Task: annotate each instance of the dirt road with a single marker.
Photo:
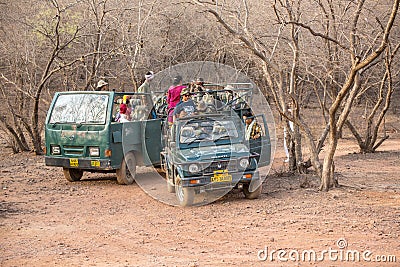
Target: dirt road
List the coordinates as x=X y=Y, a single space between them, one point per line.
x=47 y=221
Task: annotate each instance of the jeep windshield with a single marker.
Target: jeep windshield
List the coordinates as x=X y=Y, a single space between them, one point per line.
x=194 y=131
x=80 y=109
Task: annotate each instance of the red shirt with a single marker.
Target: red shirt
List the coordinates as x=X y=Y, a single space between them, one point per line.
x=173 y=98
x=174 y=95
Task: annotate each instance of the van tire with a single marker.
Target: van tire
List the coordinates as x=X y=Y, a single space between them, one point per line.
x=126 y=175
x=251 y=195
x=72 y=175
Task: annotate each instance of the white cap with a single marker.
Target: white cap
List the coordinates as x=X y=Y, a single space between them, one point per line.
x=149 y=75
x=101 y=83
x=229 y=87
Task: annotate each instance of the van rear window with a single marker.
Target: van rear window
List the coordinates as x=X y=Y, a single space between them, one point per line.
x=80 y=108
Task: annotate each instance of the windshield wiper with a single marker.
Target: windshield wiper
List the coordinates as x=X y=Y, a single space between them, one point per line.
x=54 y=123
x=222 y=137
x=88 y=121
x=94 y=121
x=191 y=142
x=57 y=122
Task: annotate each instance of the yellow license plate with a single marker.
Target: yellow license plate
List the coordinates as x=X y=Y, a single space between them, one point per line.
x=73 y=162
x=95 y=163
x=221 y=176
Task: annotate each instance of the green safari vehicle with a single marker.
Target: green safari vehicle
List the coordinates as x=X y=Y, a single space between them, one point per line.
x=82 y=134
x=208 y=153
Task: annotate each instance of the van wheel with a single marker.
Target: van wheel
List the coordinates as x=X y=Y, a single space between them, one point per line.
x=185 y=195
x=72 y=175
x=251 y=195
x=126 y=174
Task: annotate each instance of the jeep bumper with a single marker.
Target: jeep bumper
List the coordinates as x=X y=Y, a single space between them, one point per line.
x=205 y=181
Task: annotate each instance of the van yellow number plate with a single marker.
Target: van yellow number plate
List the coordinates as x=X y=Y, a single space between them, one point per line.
x=95 y=163
x=73 y=162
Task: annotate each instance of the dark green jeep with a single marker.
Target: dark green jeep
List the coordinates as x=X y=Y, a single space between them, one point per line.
x=82 y=134
x=209 y=153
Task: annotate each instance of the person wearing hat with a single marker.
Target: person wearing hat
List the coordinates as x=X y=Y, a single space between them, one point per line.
x=186 y=107
x=174 y=96
x=145 y=87
x=102 y=85
x=198 y=85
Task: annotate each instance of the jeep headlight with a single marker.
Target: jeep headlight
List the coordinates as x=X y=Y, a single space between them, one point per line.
x=244 y=163
x=94 y=151
x=193 y=168
x=55 y=150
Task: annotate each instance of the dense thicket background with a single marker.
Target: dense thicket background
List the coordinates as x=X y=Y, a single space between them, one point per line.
x=303 y=54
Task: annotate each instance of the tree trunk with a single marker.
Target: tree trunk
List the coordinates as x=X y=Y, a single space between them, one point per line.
x=327 y=179
x=298 y=145
x=37 y=139
x=20 y=146
x=292 y=151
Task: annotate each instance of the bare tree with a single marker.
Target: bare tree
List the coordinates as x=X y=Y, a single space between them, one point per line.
x=292 y=47
x=381 y=100
x=27 y=113
x=283 y=87
x=349 y=91
x=342 y=96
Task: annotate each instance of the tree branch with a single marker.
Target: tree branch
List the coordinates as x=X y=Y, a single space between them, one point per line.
x=318 y=34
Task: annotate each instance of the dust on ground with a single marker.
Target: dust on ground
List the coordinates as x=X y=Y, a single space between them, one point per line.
x=48 y=221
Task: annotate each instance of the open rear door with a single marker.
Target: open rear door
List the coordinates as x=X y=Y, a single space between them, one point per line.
x=151 y=142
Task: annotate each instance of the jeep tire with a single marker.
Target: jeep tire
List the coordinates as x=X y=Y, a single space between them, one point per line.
x=185 y=195
x=251 y=195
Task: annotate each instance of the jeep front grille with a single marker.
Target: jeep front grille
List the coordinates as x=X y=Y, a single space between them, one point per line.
x=229 y=165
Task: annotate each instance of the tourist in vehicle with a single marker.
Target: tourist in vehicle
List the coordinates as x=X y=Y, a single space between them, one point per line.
x=228 y=95
x=123 y=117
x=102 y=85
x=198 y=85
x=126 y=100
x=253 y=129
x=173 y=96
x=186 y=107
x=253 y=134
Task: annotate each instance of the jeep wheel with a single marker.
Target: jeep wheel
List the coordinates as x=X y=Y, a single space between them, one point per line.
x=184 y=195
x=72 y=175
x=126 y=174
x=251 y=195
x=170 y=185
